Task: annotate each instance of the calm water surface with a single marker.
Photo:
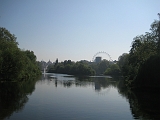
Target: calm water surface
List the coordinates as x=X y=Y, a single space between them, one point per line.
x=69 y=98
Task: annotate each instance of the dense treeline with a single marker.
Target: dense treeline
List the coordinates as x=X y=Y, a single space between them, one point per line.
x=104 y=67
x=113 y=70
x=15 y=64
x=141 y=67
x=72 y=68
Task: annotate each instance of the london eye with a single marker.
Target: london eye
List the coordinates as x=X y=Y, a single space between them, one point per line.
x=102 y=52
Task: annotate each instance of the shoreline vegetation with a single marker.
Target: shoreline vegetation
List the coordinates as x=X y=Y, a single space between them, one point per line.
x=16 y=65
x=71 y=68
x=82 y=68
x=141 y=67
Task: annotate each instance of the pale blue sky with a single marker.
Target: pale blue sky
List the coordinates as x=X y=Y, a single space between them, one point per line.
x=77 y=29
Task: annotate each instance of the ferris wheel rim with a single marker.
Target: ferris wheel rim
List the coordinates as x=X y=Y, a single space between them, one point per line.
x=100 y=53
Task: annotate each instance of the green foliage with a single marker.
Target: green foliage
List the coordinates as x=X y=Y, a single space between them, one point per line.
x=142 y=48
x=6 y=36
x=83 y=68
x=15 y=64
x=138 y=66
x=69 y=67
x=30 y=55
x=113 y=70
x=101 y=67
x=149 y=73
x=123 y=63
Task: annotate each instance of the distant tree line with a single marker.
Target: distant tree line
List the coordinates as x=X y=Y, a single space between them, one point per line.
x=72 y=68
x=15 y=64
x=141 y=67
x=105 y=67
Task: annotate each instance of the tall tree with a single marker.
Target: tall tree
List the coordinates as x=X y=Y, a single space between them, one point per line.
x=15 y=64
x=158 y=34
x=123 y=64
x=144 y=49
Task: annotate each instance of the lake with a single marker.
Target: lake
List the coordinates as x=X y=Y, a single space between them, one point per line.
x=75 y=98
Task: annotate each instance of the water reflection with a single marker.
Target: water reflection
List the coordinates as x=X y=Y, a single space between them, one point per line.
x=13 y=96
x=100 y=83
x=144 y=103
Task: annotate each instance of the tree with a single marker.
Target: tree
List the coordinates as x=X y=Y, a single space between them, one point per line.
x=148 y=74
x=123 y=60
x=113 y=70
x=69 y=67
x=143 y=49
x=102 y=66
x=6 y=36
x=56 y=63
x=15 y=64
x=30 y=55
x=155 y=32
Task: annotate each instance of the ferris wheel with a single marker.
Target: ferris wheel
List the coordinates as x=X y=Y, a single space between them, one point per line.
x=102 y=52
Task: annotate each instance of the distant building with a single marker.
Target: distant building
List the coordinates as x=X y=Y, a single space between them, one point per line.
x=98 y=59
x=44 y=64
x=49 y=62
x=115 y=61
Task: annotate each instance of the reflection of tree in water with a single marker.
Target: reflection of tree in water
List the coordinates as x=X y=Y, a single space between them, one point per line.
x=144 y=104
x=13 y=97
x=104 y=84
x=100 y=83
x=68 y=83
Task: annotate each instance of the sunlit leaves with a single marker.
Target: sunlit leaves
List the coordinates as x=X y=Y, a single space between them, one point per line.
x=142 y=49
x=69 y=67
x=15 y=64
